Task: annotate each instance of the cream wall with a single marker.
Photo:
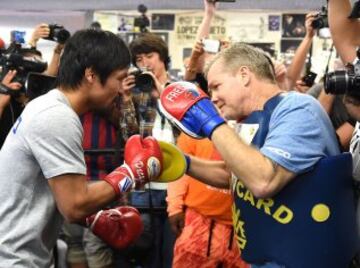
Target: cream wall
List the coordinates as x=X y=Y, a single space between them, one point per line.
x=249 y=26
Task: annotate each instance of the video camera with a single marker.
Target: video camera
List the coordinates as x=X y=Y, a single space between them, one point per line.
x=36 y=85
x=142 y=21
x=345 y=81
x=143 y=81
x=58 y=34
x=19 y=59
x=321 y=19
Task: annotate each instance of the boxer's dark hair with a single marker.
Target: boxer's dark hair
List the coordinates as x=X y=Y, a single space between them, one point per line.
x=102 y=51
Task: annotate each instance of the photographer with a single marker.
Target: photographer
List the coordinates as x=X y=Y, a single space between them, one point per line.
x=5 y=99
x=12 y=106
x=297 y=65
x=345 y=34
x=43 y=31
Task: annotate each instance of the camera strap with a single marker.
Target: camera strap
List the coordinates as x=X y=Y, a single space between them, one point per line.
x=329 y=58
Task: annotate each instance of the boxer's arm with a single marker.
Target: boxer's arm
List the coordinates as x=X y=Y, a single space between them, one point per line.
x=76 y=198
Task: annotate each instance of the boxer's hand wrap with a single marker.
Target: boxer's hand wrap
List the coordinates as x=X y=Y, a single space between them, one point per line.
x=143 y=162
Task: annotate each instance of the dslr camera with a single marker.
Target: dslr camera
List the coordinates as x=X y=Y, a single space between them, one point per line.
x=321 y=19
x=345 y=81
x=142 y=21
x=143 y=81
x=15 y=58
x=58 y=34
x=309 y=78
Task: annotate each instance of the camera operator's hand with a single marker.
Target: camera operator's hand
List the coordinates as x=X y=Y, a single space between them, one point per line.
x=158 y=87
x=301 y=86
x=59 y=48
x=310 y=31
x=5 y=99
x=281 y=75
x=127 y=84
x=198 y=50
x=53 y=67
x=42 y=30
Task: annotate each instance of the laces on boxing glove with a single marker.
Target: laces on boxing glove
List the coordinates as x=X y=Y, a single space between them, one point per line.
x=98 y=215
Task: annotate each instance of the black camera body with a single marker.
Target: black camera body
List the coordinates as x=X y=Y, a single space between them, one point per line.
x=142 y=21
x=13 y=59
x=321 y=19
x=38 y=84
x=143 y=81
x=345 y=81
x=58 y=33
x=309 y=78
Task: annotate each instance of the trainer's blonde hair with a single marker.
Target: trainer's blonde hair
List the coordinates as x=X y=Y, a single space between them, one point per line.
x=241 y=54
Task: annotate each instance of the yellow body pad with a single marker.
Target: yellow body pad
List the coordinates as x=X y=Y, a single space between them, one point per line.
x=174 y=163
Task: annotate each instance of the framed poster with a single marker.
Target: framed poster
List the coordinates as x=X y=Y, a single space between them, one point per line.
x=129 y=36
x=289 y=45
x=293 y=25
x=274 y=23
x=162 y=22
x=267 y=47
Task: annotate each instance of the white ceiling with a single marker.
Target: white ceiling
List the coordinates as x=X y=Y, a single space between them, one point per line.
x=84 y=5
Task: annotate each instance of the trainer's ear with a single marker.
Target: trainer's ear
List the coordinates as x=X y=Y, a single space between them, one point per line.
x=89 y=75
x=244 y=73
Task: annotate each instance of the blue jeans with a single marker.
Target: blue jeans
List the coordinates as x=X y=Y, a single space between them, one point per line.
x=156 y=228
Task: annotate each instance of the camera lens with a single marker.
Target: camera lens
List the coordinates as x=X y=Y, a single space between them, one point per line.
x=61 y=35
x=58 y=34
x=337 y=82
x=145 y=82
x=317 y=23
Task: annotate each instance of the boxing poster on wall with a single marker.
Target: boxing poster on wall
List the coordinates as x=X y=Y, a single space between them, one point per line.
x=289 y=45
x=187 y=24
x=293 y=25
x=274 y=23
x=267 y=47
x=131 y=36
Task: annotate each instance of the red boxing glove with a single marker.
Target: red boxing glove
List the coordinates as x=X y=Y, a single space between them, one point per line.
x=118 y=227
x=144 y=158
x=143 y=162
